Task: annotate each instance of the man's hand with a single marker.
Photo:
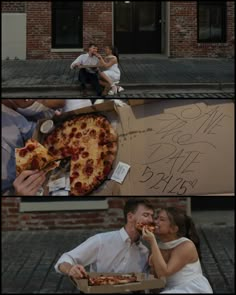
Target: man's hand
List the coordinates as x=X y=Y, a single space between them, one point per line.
x=29 y=182
x=77 y=271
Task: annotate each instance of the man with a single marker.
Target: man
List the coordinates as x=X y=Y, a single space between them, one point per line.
x=118 y=251
x=19 y=118
x=88 y=75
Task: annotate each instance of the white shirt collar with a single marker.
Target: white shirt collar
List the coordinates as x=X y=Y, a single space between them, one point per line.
x=125 y=237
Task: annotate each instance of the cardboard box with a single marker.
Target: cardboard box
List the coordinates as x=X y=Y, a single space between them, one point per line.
x=143 y=283
x=174 y=147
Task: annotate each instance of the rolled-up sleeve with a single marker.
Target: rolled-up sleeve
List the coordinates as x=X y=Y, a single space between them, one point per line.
x=84 y=254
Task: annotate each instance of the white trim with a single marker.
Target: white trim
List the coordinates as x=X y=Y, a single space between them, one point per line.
x=67 y=50
x=63 y=206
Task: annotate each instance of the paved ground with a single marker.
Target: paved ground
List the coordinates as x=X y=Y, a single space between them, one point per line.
x=28 y=257
x=140 y=75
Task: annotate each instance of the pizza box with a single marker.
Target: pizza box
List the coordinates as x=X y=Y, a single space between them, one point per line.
x=144 y=283
x=173 y=147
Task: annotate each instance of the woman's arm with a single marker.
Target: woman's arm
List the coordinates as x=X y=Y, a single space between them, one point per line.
x=104 y=64
x=180 y=256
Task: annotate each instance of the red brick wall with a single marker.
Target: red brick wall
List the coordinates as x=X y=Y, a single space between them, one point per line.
x=97 y=27
x=183 y=32
x=13 y=6
x=12 y=219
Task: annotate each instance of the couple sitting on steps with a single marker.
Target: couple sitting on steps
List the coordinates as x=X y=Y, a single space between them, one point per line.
x=99 y=71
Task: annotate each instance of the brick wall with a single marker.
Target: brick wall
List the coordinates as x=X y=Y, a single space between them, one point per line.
x=97 y=27
x=183 y=32
x=12 y=219
x=13 y=6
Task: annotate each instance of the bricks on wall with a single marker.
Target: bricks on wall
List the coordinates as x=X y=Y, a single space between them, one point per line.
x=13 y=219
x=13 y=6
x=183 y=32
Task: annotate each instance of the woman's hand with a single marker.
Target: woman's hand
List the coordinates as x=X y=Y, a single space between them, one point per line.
x=148 y=236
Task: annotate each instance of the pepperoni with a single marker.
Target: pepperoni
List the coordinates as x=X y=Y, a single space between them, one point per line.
x=102 y=135
x=51 y=150
x=85 y=155
x=89 y=170
x=102 y=155
x=75 y=157
x=71 y=135
x=74 y=129
x=30 y=147
x=93 y=133
x=75 y=174
x=81 y=149
x=107 y=170
x=83 y=125
x=78 y=135
x=34 y=164
x=23 y=152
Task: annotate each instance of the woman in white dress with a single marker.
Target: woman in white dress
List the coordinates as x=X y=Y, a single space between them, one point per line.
x=111 y=75
x=176 y=256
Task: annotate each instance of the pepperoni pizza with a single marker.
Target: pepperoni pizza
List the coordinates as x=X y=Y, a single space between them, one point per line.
x=34 y=156
x=91 y=143
x=151 y=227
x=112 y=280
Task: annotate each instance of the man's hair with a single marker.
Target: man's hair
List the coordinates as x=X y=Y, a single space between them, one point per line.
x=132 y=205
x=92 y=44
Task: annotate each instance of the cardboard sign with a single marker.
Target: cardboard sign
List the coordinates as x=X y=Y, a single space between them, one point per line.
x=178 y=147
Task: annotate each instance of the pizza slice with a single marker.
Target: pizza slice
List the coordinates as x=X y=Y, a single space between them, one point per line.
x=34 y=156
x=151 y=226
x=112 y=280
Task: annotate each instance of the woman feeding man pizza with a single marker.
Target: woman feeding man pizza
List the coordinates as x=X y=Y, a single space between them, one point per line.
x=175 y=257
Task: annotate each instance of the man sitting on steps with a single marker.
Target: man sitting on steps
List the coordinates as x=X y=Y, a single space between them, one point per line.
x=88 y=74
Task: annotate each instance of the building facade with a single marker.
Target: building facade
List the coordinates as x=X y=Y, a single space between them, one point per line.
x=70 y=213
x=62 y=29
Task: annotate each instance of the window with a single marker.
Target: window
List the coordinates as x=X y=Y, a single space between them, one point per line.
x=212 y=21
x=67 y=24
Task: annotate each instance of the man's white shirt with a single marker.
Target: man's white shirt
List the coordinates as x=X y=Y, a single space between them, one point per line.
x=86 y=59
x=109 y=252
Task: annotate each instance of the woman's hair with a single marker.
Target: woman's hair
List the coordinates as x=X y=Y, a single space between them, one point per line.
x=114 y=51
x=186 y=226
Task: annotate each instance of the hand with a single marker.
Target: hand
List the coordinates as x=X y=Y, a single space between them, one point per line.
x=29 y=182
x=147 y=235
x=78 y=272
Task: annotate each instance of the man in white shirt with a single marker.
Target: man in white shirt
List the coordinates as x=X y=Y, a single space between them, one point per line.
x=88 y=75
x=118 y=251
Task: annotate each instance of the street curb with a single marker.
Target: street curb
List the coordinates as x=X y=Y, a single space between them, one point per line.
x=129 y=86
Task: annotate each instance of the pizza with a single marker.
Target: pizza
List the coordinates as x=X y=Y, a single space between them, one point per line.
x=34 y=156
x=112 y=280
x=151 y=226
x=91 y=144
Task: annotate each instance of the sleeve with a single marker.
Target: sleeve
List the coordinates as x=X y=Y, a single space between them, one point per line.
x=77 y=60
x=84 y=254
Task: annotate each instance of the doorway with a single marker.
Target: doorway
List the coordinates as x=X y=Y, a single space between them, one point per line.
x=137 y=26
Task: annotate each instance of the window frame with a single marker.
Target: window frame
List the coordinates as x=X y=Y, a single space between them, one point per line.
x=53 y=26
x=223 y=6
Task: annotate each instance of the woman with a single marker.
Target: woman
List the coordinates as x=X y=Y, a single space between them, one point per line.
x=111 y=75
x=177 y=255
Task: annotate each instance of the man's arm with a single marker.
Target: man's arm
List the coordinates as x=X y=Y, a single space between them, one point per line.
x=76 y=271
x=53 y=103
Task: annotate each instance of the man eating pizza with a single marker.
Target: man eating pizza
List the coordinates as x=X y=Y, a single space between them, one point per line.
x=118 y=251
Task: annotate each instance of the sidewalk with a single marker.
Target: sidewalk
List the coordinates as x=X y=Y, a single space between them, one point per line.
x=137 y=72
x=28 y=258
